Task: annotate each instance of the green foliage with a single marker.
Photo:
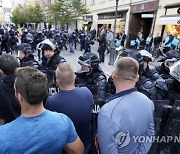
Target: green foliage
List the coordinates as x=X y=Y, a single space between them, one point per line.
x=66 y=12
x=35 y=14
x=30 y=14
x=18 y=16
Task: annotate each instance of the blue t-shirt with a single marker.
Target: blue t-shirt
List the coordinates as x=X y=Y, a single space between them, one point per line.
x=46 y=133
x=77 y=105
x=127 y=116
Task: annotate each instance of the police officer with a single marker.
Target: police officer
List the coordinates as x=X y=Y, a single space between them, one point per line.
x=12 y=40
x=50 y=58
x=102 y=46
x=4 y=40
x=91 y=75
x=25 y=55
x=155 y=89
x=88 y=43
x=171 y=58
x=82 y=37
x=174 y=87
x=148 y=72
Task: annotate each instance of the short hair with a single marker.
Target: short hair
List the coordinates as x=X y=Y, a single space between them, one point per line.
x=31 y=84
x=127 y=68
x=65 y=74
x=8 y=63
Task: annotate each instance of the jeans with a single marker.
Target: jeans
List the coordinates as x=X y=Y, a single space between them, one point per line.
x=71 y=47
x=138 y=44
x=147 y=47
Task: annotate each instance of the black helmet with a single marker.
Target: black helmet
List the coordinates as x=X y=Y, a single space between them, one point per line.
x=147 y=57
x=26 y=48
x=133 y=54
x=170 y=58
x=136 y=55
x=89 y=59
x=175 y=70
x=172 y=54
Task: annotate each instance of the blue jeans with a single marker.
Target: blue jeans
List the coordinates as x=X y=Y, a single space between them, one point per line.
x=147 y=47
x=138 y=44
x=71 y=47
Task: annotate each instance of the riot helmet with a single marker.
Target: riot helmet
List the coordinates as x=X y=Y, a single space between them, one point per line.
x=47 y=44
x=136 y=55
x=171 y=57
x=146 y=55
x=25 y=31
x=175 y=70
x=48 y=48
x=24 y=50
x=89 y=60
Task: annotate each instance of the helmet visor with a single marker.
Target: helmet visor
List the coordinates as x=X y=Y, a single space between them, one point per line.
x=175 y=70
x=84 y=62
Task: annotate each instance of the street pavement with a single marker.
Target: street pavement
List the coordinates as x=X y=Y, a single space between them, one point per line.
x=71 y=58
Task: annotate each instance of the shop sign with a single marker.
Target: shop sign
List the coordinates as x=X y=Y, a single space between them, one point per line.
x=110 y=16
x=145 y=7
x=88 y=18
x=147 y=15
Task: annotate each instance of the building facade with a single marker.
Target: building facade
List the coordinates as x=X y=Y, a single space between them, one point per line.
x=103 y=12
x=168 y=18
x=147 y=16
x=142 y=18
x=133 y=16
x=1 y=13
x=7 y=16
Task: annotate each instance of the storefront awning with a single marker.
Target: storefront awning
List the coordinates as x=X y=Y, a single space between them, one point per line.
x=169 y=20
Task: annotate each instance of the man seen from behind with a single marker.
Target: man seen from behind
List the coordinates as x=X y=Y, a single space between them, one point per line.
x=37 y=130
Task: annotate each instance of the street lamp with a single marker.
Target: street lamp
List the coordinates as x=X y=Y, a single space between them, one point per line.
x=113 y=45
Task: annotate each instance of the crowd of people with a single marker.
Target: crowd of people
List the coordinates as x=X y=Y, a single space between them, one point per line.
x=62 y=121
x=150 y=44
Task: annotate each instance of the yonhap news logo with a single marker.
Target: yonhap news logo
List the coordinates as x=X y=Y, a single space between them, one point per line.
x=156 y=139
x=124 y=138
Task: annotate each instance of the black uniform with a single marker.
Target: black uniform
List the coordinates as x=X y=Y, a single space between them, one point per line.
x=96 y=82
x=29 y=61
x=52 y=63
x=94 y=78
x=9 y=106
x=102 y=47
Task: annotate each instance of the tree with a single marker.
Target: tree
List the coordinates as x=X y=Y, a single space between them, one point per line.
x=66 y=12
x=35 y=14
x=30 y=14
x=18 y=16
